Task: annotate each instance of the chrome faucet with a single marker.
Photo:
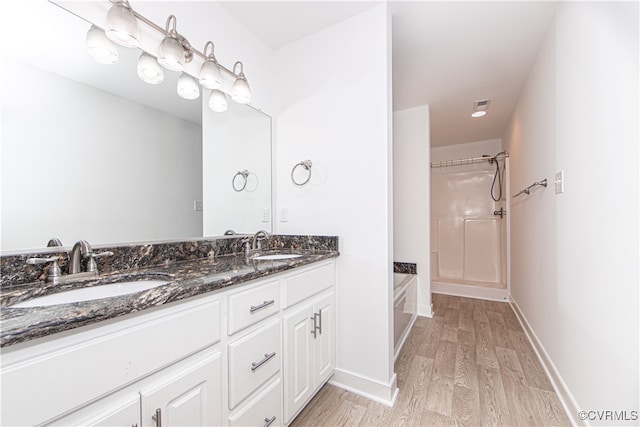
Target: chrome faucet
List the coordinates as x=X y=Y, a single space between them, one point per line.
x=82 y=249
x=259 y=237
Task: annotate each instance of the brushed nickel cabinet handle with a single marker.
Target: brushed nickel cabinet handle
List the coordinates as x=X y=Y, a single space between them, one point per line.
x=269 y=421
x=267 y=357
x=157 y=417
x=263 y=305
x=319 y=314
x=314 y=331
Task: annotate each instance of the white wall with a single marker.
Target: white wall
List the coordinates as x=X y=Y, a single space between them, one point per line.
x=411 y=205
x=139 y=175
x=575 y=255
x=335 y=110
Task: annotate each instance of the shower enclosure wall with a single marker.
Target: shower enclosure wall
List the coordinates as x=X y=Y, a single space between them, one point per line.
x=468 y=232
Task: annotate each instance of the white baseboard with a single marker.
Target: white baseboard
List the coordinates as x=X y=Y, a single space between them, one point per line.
x=425 y=310
x=366 y=387
x=566 y=398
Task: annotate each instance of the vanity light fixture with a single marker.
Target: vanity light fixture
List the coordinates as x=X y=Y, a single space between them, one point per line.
x=121 y=25
x=172 y=54
x=480 y=108
x=210 y=76
x=188 y=87
x=241 y=93
x=100 y=47
x=149 y=71
x=218 y=101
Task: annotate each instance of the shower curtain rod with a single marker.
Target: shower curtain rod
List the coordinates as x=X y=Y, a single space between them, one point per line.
x=469 y=161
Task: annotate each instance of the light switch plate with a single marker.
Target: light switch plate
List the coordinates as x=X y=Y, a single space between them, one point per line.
x=197 y=205
x=284 y=213
x=559 y=182
x=265 y=214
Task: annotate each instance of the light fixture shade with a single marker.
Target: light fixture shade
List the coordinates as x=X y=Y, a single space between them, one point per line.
x=100 y=48
x=188 y=87
x=149 y=71
x=218 y=101
x=210 y=76
x=122 y=26
x=240 y=92
x=171 y=53
x=478 y=113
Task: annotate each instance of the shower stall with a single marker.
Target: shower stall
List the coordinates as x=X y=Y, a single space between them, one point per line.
x=470 y=226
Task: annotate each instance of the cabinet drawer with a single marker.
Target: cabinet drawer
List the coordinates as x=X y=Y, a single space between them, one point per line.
x=253 y=359
x=253 y=305
x=308 y=283
x=264 y=409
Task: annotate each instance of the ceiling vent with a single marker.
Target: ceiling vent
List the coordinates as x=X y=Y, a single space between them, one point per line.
x=480 y=108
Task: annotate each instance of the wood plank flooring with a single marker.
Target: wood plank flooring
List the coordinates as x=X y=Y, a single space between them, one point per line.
x=470 y=365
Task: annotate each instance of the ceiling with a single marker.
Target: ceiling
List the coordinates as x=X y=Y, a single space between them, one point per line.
x=447 y=54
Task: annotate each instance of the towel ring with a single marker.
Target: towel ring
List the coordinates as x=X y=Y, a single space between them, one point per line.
x=305 y=164
x=244 y=174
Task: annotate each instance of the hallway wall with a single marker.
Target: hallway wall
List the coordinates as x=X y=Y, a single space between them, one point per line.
x=574 y=268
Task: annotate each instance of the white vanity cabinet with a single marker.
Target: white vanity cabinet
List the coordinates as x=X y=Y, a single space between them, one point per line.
x=309 y=336
x=251 y=355
x=186 y=394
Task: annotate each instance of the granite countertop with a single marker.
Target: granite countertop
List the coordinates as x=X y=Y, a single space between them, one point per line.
x=186 y=279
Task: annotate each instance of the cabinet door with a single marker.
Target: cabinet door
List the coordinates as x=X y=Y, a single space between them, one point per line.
x=298 y=359
x=188 y=396
x=324 y=351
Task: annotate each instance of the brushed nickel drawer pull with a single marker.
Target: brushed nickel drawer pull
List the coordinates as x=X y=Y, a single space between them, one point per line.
x=269 y=421
x=263 y=305
x=267 y=357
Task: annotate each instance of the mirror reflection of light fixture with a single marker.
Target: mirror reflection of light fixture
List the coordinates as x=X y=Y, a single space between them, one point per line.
x=218 y=101
x=480 y=108
x=121 y=25
x=149 y=71
x=210 y=76
x=188 y=87
x=100 y=47
x=171 y=53
x=240 y=93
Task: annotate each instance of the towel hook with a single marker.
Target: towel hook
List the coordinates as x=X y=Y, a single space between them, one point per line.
x=306 y=164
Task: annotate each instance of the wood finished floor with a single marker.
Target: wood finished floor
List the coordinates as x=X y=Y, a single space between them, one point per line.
x=470 y=365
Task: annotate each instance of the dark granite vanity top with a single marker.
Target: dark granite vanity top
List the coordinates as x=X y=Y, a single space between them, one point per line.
x=186 y=279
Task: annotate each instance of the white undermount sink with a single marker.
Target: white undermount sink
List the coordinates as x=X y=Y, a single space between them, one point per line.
x=91 y=293
x=276 y=257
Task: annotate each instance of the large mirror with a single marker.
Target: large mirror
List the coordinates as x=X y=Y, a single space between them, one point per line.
x=91 y=152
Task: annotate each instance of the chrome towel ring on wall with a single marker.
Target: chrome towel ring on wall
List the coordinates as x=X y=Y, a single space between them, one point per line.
x=240 y=184
x=306 y=164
